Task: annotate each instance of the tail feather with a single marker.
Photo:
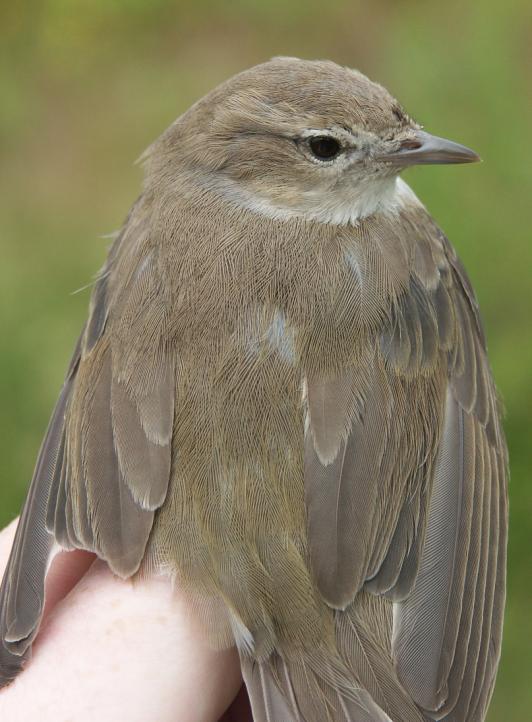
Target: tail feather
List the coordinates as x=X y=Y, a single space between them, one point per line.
x=268 y=703
x=282 y=690
x=354 y=682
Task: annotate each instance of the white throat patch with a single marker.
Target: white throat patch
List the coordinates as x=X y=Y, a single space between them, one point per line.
x=341 y=208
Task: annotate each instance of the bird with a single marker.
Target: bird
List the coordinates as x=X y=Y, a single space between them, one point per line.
x=282 y=400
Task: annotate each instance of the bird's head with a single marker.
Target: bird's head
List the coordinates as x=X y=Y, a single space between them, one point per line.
x=296 y=137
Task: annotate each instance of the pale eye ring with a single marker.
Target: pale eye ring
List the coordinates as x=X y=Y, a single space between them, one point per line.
x=324 y=147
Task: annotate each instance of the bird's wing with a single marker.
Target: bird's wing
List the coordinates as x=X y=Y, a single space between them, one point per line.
x=405 y=482
x=104 y=466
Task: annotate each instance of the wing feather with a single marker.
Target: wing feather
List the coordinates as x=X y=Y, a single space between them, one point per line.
x=22 y=589
x=413 y=504
x=426 y=622
x=448 y=661
x=341 y=504
x=104 y=466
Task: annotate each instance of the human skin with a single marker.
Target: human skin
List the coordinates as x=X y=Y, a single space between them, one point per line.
x=110 y=649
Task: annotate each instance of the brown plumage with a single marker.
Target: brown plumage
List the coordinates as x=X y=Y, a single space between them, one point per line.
x=282 y=399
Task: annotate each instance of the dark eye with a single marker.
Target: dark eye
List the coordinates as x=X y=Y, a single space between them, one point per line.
x=324 y=147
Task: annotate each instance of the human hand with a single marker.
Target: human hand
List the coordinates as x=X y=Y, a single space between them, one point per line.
x=113 y=650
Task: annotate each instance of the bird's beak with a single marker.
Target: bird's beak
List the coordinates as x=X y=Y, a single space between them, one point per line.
x=423 y=148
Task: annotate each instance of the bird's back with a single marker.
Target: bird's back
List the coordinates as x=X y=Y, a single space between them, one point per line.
x=288 y=408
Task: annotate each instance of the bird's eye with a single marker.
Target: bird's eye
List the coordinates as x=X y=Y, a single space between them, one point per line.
x=324 y=147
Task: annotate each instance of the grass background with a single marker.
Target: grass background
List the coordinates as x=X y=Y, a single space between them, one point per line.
x=86 y=86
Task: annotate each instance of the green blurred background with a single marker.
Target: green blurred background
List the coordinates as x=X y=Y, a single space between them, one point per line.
x=85 y=86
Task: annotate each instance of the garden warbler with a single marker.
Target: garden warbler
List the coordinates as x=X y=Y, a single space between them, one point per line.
x=282 y=400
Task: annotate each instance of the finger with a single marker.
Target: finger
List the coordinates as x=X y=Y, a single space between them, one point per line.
x=120 y=650
x=66 y=570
